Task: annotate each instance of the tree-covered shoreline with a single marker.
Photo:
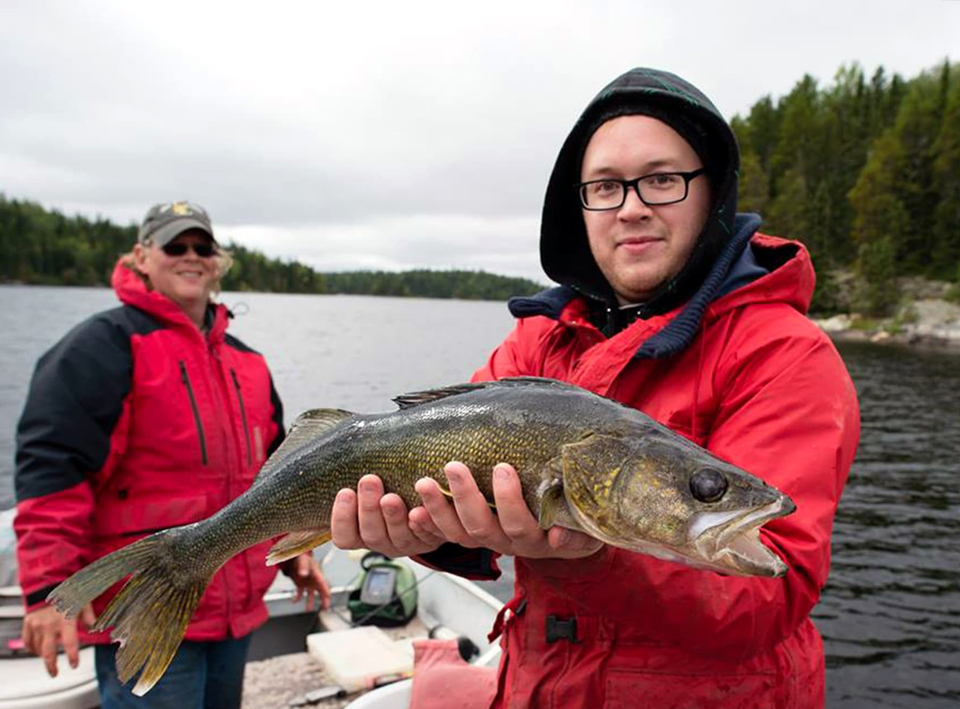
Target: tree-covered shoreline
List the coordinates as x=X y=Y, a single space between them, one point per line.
x=45 y=247
x=864 y=171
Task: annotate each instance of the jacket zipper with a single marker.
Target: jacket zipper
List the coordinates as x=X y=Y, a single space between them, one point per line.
x=243 y=415
x=196 y=412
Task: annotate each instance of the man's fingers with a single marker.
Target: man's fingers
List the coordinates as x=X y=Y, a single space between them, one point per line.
x=443 y=515
x=373 y=528
x=87 y=616
x=398 y=530
x=572 y=544
x=473 y=509
x=344 y=525
x=516 y=520
x=422 y=525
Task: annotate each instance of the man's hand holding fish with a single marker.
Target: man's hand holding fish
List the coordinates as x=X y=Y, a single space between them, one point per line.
x=369 y=519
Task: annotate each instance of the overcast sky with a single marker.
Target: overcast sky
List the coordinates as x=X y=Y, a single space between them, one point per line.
x=386 y=135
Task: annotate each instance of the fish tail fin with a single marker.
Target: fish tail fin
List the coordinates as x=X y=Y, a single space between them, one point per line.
x=150 y=614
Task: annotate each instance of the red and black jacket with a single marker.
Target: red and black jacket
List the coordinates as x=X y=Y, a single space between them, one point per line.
x=136 y=421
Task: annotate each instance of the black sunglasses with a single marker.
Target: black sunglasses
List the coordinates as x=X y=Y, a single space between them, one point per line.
x=203 y=250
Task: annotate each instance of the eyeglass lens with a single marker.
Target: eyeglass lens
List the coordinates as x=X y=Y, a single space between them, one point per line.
x=654 y=189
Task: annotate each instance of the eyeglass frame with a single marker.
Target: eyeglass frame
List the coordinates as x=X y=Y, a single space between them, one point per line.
x=635 y=184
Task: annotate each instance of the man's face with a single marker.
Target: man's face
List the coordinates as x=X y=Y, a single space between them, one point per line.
x=639 y=247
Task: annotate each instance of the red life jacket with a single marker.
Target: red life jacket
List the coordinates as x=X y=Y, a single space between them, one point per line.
x=761 y=387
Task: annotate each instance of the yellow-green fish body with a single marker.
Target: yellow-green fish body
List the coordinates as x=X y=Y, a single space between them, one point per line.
x=585 y=462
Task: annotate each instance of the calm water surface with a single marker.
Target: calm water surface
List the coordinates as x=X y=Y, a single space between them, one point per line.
x=890 y=614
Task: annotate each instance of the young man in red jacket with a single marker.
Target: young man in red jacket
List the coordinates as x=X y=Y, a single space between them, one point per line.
x=674 y=304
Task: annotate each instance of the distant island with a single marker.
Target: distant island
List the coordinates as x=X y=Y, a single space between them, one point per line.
x=44 y=247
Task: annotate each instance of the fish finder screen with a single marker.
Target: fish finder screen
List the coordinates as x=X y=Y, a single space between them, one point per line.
x=378 y=586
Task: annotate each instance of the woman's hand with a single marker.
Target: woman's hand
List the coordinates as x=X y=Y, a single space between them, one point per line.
x=46 y=628
x=305 y=573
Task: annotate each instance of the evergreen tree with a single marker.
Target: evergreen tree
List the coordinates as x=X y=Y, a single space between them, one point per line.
x=946 y=184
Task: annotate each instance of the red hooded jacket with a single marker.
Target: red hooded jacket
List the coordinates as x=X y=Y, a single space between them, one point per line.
x=759 y=386
x=135 y=421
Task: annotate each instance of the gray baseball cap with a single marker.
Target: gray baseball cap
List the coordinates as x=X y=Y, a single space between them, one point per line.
x=165 y=222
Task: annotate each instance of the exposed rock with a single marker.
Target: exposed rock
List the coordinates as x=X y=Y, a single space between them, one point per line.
x=936 y=319
x=837 y=323
x=927 y=321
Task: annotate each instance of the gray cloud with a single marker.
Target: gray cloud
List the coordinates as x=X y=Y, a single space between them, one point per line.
x=381 y=135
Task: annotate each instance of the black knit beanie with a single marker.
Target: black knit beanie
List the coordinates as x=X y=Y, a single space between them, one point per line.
x=564 y=247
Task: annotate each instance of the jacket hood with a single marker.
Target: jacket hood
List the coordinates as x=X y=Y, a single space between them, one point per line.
x=754 y=268
x=564 y=249
x=131 y=290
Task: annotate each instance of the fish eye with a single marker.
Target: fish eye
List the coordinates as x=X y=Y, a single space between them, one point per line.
x=708 y=485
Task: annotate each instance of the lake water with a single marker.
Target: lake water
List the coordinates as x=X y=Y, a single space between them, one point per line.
x=890 y=614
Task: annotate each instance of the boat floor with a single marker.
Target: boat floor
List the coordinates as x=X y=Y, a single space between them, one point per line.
x=274 y=682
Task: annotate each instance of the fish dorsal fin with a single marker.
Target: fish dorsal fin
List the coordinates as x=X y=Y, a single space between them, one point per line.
x=416 y=398
x=311 y=423
x=406 y=401
x=308 y=426
x=535 y=381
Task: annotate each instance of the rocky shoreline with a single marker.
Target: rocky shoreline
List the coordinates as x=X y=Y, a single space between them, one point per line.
x=928 y=314
x=928 y=322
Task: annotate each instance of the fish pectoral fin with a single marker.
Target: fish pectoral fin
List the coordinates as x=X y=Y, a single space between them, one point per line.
x=295 y=544
x=552 y=505
x=554 y=510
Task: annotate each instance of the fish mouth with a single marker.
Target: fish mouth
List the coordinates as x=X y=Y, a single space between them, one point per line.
x=730 y=542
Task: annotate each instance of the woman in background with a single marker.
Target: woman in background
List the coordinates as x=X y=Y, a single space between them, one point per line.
x=145 y=417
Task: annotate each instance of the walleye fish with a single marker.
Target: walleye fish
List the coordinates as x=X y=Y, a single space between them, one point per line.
x=585 y=462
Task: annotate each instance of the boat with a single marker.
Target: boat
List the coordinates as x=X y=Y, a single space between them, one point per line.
x=447 y=607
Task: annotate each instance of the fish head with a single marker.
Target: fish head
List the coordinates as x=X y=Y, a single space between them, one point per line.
x=660 y=494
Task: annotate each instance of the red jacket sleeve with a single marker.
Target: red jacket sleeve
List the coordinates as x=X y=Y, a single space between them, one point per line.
x=76 y=398
x=788 y=414
x=52 y=540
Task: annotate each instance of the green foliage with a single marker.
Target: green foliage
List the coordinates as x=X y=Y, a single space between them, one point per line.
x=827 y=297
x=866 y=172
x=467 y=285
x=44 y=247
x=754 y=184
x=876 y=293
x=946 y=183
x=953 y=295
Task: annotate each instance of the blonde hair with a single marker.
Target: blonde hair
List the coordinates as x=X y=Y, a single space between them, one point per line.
x=223 y=258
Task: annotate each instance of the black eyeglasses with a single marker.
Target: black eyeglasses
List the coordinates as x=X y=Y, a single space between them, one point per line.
x=203 y=249
x=655 y=189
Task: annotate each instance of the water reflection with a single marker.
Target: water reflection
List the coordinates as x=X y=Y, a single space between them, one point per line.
x=890 y=614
